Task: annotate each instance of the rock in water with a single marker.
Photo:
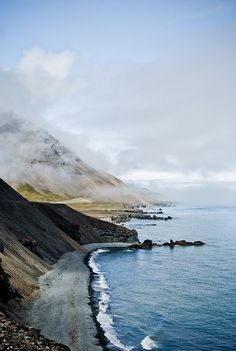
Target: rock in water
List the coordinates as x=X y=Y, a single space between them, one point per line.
x=198 y=243
x=172 y=243
x=147 y=244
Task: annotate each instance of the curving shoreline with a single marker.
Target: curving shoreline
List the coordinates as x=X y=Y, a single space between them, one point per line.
x=104 y=340
x=41 y=244
x=64 y=311
x=100 y=336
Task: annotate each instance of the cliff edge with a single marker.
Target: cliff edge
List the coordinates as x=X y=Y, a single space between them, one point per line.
x=33 y=236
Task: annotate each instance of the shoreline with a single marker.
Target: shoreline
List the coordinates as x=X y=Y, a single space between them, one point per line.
x=103 y=340
x=100 y=332
x=65 y=312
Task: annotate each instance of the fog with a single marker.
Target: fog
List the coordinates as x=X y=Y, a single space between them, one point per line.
x=166 y=122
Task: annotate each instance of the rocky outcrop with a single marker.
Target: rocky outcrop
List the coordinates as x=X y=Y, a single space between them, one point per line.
x=139 y=215
x=172 y=243
x=147 y=244
x=7 y=292
x=29 y=244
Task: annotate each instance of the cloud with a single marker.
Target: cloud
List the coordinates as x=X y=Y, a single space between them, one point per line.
x=45 y=75
x=173 y=118
x=57 y=65
x=39 y=80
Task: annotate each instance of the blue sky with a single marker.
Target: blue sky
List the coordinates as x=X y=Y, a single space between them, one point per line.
x=144 y=89
x=116 y=30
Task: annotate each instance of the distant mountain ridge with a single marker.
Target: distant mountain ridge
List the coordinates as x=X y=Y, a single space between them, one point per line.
x=41 y=168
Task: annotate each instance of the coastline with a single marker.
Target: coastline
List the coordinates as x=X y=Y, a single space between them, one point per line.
x=64 y=311
x=101 y=333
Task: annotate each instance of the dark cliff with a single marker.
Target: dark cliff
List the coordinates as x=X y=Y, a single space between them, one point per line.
x=33 y=236
x=83 y=228
x=30 y=241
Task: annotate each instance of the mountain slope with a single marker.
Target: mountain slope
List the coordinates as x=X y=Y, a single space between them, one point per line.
x=34 y=236
x=41 y=168
x=31 y=241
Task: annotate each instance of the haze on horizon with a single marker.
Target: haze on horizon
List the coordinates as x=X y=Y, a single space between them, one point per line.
x=142 y=89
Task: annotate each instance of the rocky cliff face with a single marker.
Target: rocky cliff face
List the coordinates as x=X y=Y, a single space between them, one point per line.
x=83 y=228
x=19 y=222
x=33 y=236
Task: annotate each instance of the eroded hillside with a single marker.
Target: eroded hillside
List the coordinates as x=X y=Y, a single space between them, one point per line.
x=33 y=236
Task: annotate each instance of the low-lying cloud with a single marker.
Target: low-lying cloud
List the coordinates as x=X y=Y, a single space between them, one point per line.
x=168 y=117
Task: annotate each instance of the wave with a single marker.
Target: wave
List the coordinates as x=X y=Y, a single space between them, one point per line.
x=148 y=344
x=92 y=262
x=104 y=317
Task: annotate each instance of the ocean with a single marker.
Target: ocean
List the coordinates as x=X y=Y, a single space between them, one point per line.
x=166 y=299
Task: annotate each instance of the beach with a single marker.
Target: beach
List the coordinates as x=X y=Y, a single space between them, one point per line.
x=63 y=312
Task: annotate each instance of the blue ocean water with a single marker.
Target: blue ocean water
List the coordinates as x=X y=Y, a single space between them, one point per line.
x=172 y=300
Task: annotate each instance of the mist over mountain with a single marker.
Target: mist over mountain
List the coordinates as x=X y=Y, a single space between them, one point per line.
x=33 y=160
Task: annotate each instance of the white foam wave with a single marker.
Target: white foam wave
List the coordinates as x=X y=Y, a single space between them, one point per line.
x=103 y=283
x=101 y=251
x=58 y=312
x=148 y=344
x=104 y=317
x=93 y=265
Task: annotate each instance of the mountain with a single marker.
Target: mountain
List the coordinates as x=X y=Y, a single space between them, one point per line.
x=41 y=168
x=34 y=236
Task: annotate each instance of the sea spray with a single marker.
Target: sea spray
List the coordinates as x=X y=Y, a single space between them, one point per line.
x=104 y=317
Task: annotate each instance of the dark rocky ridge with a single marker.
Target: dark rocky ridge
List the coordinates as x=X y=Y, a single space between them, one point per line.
x=33 y=236
x=6 y=290
x=20 y=220
x=83 y=228
x=36 y=235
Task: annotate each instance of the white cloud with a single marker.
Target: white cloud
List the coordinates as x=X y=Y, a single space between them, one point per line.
x=45 y=75
x=182 y=177
x=57 y=65
x=170 y=121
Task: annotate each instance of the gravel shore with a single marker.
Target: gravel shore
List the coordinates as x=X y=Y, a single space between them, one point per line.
x=17 y=337
x=62 y=312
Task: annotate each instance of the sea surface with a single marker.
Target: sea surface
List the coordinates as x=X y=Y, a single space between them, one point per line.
x=166 y=299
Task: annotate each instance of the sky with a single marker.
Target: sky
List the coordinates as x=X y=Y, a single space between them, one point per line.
x=143 y=89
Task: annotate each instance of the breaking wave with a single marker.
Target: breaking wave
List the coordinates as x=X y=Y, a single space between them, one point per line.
x=104 y=317
x=148 y=344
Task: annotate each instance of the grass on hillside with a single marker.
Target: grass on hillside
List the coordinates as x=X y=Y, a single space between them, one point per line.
x=101 y=209
x=93 y=209
x=32 y=194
